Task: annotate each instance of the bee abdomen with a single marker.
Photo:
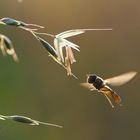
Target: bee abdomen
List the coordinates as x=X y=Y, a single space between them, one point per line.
x=111 y=94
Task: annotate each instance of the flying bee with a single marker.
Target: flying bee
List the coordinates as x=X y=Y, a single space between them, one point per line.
x=95 y=82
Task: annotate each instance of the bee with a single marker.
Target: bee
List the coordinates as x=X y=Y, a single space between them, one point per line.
x=95 y=82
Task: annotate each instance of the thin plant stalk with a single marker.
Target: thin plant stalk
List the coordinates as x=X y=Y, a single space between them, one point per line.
x=29 y=121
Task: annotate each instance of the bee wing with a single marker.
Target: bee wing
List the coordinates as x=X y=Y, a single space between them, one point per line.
x=89 y=86
x=121 y=79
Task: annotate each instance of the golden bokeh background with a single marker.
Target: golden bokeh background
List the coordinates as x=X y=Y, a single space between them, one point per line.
x=39 y=88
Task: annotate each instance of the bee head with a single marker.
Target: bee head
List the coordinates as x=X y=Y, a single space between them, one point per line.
x=91 y=78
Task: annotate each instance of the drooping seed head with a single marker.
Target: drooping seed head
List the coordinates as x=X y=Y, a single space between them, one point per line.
x=13 y=22
x=23 y=119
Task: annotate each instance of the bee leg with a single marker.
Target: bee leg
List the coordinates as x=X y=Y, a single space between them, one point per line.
x=109 y=101
x=92 y=89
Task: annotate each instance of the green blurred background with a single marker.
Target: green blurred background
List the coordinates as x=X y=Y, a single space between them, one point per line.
x=39 y=88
